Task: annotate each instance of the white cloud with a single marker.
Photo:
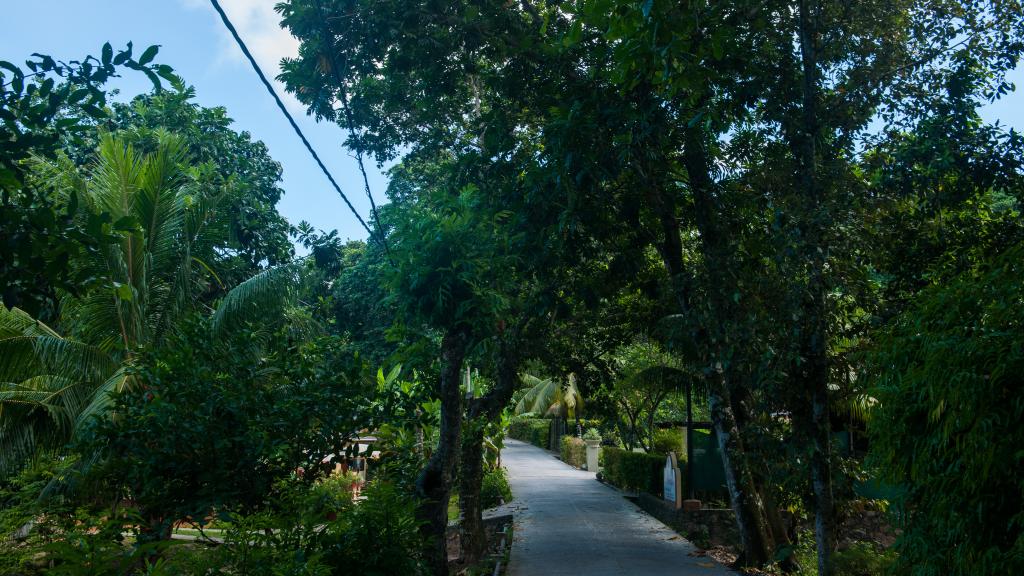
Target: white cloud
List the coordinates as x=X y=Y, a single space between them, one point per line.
x=260 y=28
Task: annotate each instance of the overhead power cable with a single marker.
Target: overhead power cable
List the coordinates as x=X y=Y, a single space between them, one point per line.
x=328 y=39
x=291 y=120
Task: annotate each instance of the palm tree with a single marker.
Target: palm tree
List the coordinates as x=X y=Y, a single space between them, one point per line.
x=166 y=233
x=550 y=397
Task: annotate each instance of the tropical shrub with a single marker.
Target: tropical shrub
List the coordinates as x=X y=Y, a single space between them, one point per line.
x=381 y=535
x=862 y=559
x=22 y=535
x=646 y=376
x=670 y=440
x=948 y=378
x=577 y=427
x=574 y=451
x=494 y=489
x=292 y=536
x=406 y=422
x=536 y=431
x=610 y=437
x=145 y=283
x=213 y=427
x=334 y=491
x=633 y=470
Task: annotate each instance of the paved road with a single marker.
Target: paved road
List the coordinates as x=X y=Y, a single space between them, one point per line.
x=568 y=523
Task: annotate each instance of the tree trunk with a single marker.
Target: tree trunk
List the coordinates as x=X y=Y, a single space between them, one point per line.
x=821 y=483
x=433 y=486
x=755 y=534
x=813 y=344
x=742 y=400
x=747 y=504
x=473 y=536
x=481 y=410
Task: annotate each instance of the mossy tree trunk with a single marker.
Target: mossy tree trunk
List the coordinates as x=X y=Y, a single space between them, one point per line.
x=474 y=537
x=481 y=410
x=434 y=484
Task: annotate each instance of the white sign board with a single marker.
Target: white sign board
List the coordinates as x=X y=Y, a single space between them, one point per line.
x=670 y=477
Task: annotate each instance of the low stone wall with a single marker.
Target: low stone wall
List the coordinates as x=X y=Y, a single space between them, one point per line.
x=717 y=527
x=705 y=528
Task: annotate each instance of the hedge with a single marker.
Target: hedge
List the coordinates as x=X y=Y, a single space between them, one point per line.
x=574 y=451
x=536 y=431
x=634 y=470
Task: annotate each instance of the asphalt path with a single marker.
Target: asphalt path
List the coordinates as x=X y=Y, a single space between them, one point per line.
x=568 y=523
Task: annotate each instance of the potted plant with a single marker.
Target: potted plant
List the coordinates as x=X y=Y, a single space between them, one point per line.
x=593 y=439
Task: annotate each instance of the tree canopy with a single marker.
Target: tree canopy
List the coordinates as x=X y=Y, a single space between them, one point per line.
x=794 y=209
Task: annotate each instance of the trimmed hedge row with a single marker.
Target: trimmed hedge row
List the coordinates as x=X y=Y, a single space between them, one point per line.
x=574 y=451
x=536 y=431
x=633 y=470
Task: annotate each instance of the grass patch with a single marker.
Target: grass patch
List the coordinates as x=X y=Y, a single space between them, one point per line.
x=453 y=508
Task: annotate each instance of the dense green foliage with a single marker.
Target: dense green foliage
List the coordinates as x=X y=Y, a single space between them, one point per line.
x=633 y=470
x=213 y=423
x=230 y=166
x=645 y=378
x=40 y=108
x=303 y=536
x=180 y=407
x=305 y=531
x=670 y=440
x=791 y=212
x=947 y=426
x=19 y=507
x=146 y=278
x=494 y=490
x=756 y=187
x=536 y=431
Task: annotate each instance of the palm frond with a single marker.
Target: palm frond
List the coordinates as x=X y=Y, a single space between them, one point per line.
x=30 y=348
x=857 y=406
x=572 y=399
x=101 y=398
x=539 y=397
x=37 y=413
x=51 y=384
x=17 y=322
x=259 y=298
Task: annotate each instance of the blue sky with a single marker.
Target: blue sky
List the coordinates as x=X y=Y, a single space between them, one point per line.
x=193 y=40
x=195 y=43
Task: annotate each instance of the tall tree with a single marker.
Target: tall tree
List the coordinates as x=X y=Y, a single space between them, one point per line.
x=39 y=107
x=147 y=279
x=228 y=164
